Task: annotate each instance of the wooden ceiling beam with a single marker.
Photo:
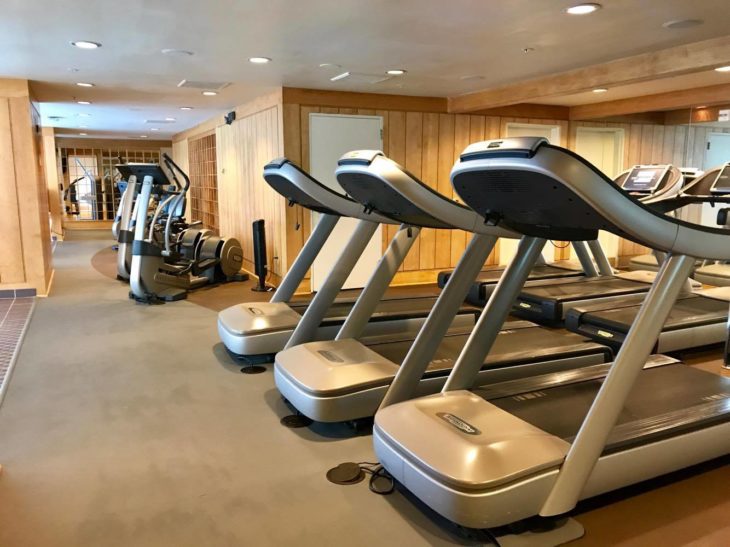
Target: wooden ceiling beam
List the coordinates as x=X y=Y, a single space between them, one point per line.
x=670 y=100
x=674 y=61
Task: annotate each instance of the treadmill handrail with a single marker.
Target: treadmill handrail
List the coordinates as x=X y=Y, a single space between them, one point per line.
x=431 y=202
x=622 y=213
x=327 y=197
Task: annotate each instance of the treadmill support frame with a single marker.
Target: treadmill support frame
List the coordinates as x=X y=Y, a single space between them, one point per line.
x=494 y=315
x=379 y=281
x=317 y=309
x=305 y=258
x=601 y=418
x=439 y=319
x=584 y=257
x=604 y=266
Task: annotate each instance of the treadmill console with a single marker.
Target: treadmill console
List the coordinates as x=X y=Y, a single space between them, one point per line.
x=722 y=182
x=142 y=170
x=645 y=179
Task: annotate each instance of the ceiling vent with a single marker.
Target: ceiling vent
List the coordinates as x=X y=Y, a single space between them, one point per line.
x=158 y=122
x=364 y=78
x=199 y=84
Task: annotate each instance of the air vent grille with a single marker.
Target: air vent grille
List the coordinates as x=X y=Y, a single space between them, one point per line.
x=200 y=84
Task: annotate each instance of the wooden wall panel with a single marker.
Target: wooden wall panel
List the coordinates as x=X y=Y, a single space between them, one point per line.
x=180 y=154
x=11 y=245
x=428 y=143
x=243 y=148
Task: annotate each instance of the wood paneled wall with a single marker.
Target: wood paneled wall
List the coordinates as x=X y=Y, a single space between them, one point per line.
x=50 y=171
x=25 y=247
x=180 y=154
x=243 y=148
x=425 y=143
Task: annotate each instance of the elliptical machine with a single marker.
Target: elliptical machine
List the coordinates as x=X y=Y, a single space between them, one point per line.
x=169 y=256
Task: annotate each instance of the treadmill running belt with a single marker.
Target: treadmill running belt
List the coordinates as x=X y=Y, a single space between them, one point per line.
x=546 y=303
x=388 y=310
x=686 y=313
x=517 y=346
x=659 y=391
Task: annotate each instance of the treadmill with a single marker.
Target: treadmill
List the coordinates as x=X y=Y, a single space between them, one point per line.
x=487 y=279
x=346 y=378
x=494 y=456
x=718 y=274
x=255 y=331
x=548 y=302
x=698 y=318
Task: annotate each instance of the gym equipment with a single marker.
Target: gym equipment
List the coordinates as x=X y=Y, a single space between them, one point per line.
x=254 y=332
x=346 y=378
x=698 y=318
x=548 y=302
x=493 y=456
x=170 y=257
x=259 y=256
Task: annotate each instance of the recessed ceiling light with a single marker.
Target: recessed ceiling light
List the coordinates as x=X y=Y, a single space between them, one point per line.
x=528 y=50
x=600 y=90
x=339 y=77
x=723 y=69
x=177 y=52
x=186 y=108
x=83 y=102
x=682 y=23
x=168 y=119
x=85 y=44
x=328 y=65
x=143 y=136
x=259 y=60
x=396 y=72
x=210 y=93
x=84 y=84
x=583 y=9
x=82 y=134
x=154 y=129
x=703 y=106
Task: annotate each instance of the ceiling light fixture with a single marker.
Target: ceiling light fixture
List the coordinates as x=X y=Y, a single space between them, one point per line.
x=528 y=50
x=583 y=9
x=186 y=108
x=169 y=119
x=600 y=90
x=339 y=77
x=259 y=60
x=83 y=102
x=210 y=93
x=143 y=136
x=328 y=65
x=83 y=126
x=396 y=72
x=85 y=44
x=723 y=69
x=82 y=134
x=702 y=106
x=84 y=84
x=682 y=23
x=154 y=129
x=177 y=52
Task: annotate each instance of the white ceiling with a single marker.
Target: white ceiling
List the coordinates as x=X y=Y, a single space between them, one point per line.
x=447 y=47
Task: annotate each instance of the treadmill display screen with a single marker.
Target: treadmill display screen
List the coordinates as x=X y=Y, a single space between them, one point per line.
x=722 y=182
x=644 y=179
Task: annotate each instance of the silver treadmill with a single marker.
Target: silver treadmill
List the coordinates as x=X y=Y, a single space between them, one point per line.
x=548 y=302
x=255 y=331
x=346 y=378
x=493 y=456
x=697 y=319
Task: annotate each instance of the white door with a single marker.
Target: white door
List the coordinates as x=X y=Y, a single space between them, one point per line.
x=718 y=150
x=330 y=137
x=508 y=247
x=603 y=147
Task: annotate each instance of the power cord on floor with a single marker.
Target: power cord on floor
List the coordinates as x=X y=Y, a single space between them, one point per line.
x=378 y=472
x=348 y=473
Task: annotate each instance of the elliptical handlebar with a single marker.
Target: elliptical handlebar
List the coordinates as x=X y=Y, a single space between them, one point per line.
x=172 y=166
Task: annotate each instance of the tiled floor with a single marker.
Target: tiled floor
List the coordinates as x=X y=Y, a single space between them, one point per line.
x=14 y=317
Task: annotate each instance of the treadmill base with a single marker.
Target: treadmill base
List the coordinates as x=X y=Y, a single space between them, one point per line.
x=564 y=531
